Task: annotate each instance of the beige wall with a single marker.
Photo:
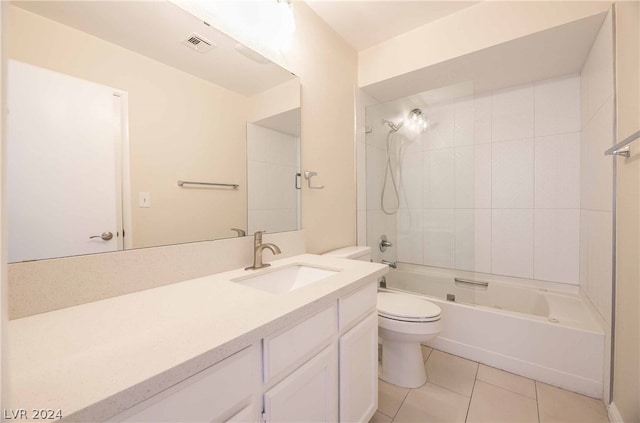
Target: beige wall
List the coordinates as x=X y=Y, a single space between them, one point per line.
x=626 y=389
x=443 y=40
x=279 y=99
x=327 y=68
x=168 y=141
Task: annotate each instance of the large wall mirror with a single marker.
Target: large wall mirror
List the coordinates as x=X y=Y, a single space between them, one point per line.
x=111 y=104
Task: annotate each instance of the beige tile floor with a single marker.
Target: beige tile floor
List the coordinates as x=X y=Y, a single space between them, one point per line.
x=460 y=390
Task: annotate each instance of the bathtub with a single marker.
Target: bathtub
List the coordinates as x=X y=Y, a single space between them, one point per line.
x=543 y=334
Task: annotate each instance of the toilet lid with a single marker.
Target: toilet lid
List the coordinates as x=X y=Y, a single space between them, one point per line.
x=406 y=307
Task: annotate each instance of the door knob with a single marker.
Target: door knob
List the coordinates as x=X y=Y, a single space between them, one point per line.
x=106 y=236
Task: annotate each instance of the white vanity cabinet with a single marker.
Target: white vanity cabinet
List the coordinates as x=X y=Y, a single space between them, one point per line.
x=321 y=369
x=340 y=383
x=309 y=394
x=358 y=350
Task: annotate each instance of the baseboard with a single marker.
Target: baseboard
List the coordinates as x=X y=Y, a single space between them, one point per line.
x=614 y=413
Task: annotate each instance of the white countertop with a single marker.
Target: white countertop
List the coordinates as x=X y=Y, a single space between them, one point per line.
x=95 y=360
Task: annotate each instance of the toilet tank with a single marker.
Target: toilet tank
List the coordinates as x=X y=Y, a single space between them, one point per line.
x=353 y=253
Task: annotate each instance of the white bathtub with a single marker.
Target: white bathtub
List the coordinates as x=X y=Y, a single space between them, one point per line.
x=545 y=335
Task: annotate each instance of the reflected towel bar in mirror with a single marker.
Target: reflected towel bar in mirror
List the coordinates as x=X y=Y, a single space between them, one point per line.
x=214 y=184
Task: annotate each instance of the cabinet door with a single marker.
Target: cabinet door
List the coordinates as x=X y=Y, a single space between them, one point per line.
x=359 y=371
x=310 y=394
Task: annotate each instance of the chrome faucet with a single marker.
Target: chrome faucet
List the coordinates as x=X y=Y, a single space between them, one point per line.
x=391 y=264
x=258 y=246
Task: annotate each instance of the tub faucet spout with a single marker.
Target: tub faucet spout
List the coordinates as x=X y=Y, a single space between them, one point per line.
x=391 y=264
x=258 y=247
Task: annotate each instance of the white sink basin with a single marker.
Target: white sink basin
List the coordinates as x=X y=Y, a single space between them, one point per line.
x=285 y=279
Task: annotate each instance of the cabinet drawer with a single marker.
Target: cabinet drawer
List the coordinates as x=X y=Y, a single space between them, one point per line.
x=357 y=305
x=293 y=346
x=214 y=394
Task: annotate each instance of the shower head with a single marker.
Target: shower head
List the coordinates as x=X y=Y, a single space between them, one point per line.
x=393 y=126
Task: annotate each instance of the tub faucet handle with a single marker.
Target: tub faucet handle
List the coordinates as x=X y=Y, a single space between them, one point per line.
x=384 y=243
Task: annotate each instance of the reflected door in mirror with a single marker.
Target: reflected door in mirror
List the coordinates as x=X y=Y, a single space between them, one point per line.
x=63 y=190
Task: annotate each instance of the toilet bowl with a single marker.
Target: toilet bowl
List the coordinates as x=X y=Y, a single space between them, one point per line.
x=404 y=322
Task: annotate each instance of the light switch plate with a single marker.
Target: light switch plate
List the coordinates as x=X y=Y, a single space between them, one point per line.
x=144 y=199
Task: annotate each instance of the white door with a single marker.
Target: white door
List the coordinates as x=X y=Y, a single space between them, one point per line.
x=310 y=394
x=63 y=165
x=359 y=371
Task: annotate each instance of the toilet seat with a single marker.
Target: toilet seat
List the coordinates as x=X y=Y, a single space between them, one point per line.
x=406 y=308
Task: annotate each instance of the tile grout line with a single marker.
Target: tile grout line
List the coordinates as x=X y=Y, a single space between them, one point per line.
x=401 y=404
x=537 y=403
x=475 y=379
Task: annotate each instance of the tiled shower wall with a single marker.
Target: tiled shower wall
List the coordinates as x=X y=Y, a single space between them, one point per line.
x=272 y=164
x=597 y=172
x=492 y=187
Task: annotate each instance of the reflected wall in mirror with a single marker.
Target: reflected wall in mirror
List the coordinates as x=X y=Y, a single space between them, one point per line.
x=112 y=103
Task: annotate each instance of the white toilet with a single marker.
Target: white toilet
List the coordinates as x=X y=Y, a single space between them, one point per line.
x=404 y=322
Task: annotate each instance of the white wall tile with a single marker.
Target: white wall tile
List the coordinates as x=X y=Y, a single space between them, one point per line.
x=597 y=274
x=257 y=221
x=482 y=249
x=482 y=119
x=557 y=171
x=375 y=173
x=512 y=242
x=464 y=173
x=584 y=242
x=438 y=230
x=464 y=121
x=411 y=181
x=410 y=143
x=482 y=176
x=464 y=241
x=362 y=227
x=257 y=195
x=596 y=169
x=557 y=245
x=512 y=174
x=378 y=224
x=439 y=185
x=598 y=70
x=557 y=106
x=512 y=113
x=441 y=133
x=361 y=175
x=410 y=239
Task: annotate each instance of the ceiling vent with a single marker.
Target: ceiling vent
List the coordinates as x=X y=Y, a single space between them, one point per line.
x=198 y=43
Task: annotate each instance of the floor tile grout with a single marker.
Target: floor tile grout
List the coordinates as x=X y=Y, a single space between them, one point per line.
x=475 y=379
x=473 y=390
x=535 y=383
x=508 y=390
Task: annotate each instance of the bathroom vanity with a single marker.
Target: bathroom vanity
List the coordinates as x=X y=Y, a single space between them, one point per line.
x=209 y=349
